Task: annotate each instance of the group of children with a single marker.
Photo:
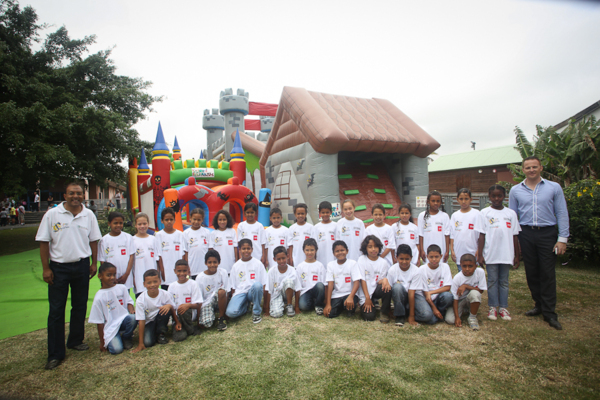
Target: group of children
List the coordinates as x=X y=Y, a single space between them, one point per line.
x=199 y=276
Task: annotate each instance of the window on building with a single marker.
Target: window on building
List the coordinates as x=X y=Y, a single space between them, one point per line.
x=282 y=187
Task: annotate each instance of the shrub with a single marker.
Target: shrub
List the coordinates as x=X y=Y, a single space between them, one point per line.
x=128 y=225
x=583 y=202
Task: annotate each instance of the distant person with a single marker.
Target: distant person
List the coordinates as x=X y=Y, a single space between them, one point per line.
x=4 y=216
x=94 y=208
x=118 y=199
x=110 y=205
x=50 y=200
x=22 y=215
x=36 y=202
x=13 y=215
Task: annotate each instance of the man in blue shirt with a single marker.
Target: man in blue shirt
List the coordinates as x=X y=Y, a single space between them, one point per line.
x=540 y=205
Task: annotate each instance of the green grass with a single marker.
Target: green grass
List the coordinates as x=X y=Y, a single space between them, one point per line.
x=18 y=240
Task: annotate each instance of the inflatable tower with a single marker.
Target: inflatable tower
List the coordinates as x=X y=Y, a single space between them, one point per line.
x=234 y=108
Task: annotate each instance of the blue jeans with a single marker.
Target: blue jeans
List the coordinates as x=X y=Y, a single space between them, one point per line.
x=238 y=305
x=423 y=311
x=115 y=346
x=459 y=268
x=497 y=280
x=400 y=299
x=314 y=297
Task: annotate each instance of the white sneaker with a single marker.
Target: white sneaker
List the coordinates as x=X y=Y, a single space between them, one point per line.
x=319 y=310
x=504 y=314
x=473 y=324
x=493 y=314
x=290 y=310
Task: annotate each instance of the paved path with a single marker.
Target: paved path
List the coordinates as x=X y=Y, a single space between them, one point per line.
x=2 y=228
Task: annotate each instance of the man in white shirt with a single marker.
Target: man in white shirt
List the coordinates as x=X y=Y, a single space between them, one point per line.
x=68 y=236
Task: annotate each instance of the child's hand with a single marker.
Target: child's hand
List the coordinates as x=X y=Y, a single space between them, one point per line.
x=446 y=256
x=412 y=322
x=267 y=311
x=461 y=290
x=183 y=308
x=326 y=311
x=437 y=313
x=102 y=348
x=130 y=309
x=297 y=310
x=178 y=326
x=458 y=323
x=122 y=279
x=349 y=304
x=368 y=306
x=423 y=257
x=139 y=348
x=385 y=285
x=516 y=262
x=164 y=310
x=291 y=261
x=454 y=257
x=481 y=261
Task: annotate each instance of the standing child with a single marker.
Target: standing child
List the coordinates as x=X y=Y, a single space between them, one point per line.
x=197 y=238
x=113 y=312
x=298 y=233
x=280 y=287
x=350 y=229
x=464 y=228
x=325 y=234
x=434 y=227
x=343 y=280
x=255 y=231
x=146 y=256
x=188 y=300
x=498 y=249
x=383 y=231
x=311 y=280
x=116 y=247
x=400 y=276
x=171 y=245
x=466 y=289
x=223 y=239
x=374 y=285
x=214 y=285
x=406 y=232
x=276 y=234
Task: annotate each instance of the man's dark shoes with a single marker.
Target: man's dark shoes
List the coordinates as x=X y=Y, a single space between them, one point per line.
x=554 y=323
x=533 y=312
x=52 y=364
x=80 y=347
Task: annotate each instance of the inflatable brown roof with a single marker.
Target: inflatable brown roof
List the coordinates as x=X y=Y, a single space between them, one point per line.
x=332 y=123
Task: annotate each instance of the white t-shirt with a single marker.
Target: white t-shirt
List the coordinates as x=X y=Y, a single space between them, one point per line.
x=197 y=246
x=297 y=234
x=224 y=242
x=343 y=277
x=371 y=272
x=309 y=274
x=434 y=230
x=387 y=237
x=464 y=230
x=146 y=307
x=68 y=237
x=110 y=308
x=353 y=233
x=396 y=275
x=117 y=250
x=325 y=236
x=274 y=279
x=210 y=285
x=477 y=280
x=184 y=293
x=275 y=238
x=254 y=232
x=407 y=234
x=171 y=248
x=499 y=227
x=428 y=279
x=245 y=273
x=145 y=259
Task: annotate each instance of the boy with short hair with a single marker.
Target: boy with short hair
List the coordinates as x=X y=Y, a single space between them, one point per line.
x=171 y=246
x=188 y=300
x=247 y=281
x=310 y=292
x=152 y=312
x=466 y=289
x=343 y=279
x=298 y=233
x=113 y=312
x=400 y=276
x=281 y=281
x=276 y=235
x=214 y=285
x=255 y=231
x=324 y=233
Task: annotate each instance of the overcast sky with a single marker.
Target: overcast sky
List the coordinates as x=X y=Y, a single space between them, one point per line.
x=462 y=70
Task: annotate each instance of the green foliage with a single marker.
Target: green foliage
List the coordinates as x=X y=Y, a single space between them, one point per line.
x=128 y=225
x=583 y=202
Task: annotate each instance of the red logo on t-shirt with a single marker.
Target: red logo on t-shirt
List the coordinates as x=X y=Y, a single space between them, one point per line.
x=332 y=237
x=471 y=226
x=412 y=236
x=282 y=242
x=508 y=224
x=306 y=237
x=376 y=278
x=123 y=252
x=252 y=276
x=255 y=237
x=205 y=242
x=385 y=242
x=439 y=228
x=177 y=248
x=152 y=254
x=315 y=277
x=188 y=299
x=441 y=283
x=121 y=301
x=347 y=279
x=356 y=233
x=230 y=242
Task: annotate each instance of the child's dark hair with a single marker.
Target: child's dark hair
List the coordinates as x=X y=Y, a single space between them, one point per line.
x=243 y=242
x=167 y=211
x=197 y=210
x=105 y=266
x=433 y=193
x=365 y=243
x=463 y=190
x=377 y=206
x=212 y=253
x=250 y=206
x=149 y=273
x=409 y=208
x=338 y=243
x=301 y=205
x=115 y=214
x=325 y=205
x=434 y=247
x=279 y=249
x=310 y=242
x=404 y=249
x=497 y=187
x=215 y=220
x=275 y=211
x=467 y=257
x=182 y=262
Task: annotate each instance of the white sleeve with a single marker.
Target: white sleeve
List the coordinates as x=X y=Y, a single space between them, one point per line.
x=225 y=279
x=454 y=289
x=418 y=283
x=196 y=294
x=140 y=309
x=95 y=233
x=391 y=240
x=268 y=283
x=328 y=274
x=452 y=225
x=43 y=233
x=447 y=276
x=131 y=246
x=421 y=222
x=482 y=279
x=298 y=280
x=157 y=246
x=446 y=225
x=262 y=236
x=515 y=224
x=127 y=296
x=480 y=224
x=211 y=240
x=170 y=299
x=96 y=315
x=101 y=250
x=356 y=274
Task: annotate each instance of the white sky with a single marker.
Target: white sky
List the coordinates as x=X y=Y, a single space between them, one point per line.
x=462 y=70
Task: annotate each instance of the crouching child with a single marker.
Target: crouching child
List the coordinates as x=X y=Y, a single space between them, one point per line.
x=281 y=286
x=400 y=276
x=214 y=285
x=187 y=299
x=467 y=287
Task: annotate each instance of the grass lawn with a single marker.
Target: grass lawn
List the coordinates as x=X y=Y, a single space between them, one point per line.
x=312 y=357
x=18 y=240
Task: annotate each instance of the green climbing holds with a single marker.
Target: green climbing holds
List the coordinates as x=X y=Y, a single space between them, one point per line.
x=382 y=191
x=387 y=206
x=368 y=221
x=349 y=192
x=372 y=176
x=360 y=208
x=345 y=176
x=391 y=217
x=365 y=163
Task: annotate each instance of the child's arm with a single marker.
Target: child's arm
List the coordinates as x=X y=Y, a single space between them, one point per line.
x=368 y=306
x=185 y=256
x=237 y=254
x=517 y=251
x=186 y=306
x=298 y=302
x=440 y=290
x=385 y=253
x=267 y=303
x=101 y=336
x=421 y=251
x=436 y=312
x=161 y=267
x=480 y=244
x=452 y=250
x=290 y=253
x=411 y=308
x=124 y=277
x=385 y=285
x=327 y=308
x=264 y=256
x=130 y=309
x=141 y=327
x=457 y=322
x=174 y=314
x=464 y=287
x=349 y=303
x=447 y=237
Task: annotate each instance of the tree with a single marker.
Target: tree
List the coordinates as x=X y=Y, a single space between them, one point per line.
x=64 y=114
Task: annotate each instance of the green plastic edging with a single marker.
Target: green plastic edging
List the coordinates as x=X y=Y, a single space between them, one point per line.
x=379 y=191
x=348 y=192
x=372 y=176
x=360 y=208
x=368 y=221
x=365 y=163
x=387 y=206
x=345 y=176
x=391 y=217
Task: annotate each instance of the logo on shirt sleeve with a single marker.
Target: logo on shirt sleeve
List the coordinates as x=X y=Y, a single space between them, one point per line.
x=508 y=224
x=177 y=247
x=152 y=254
x=255 y=237
x=230 y=242
x=188 y=299
x=347 y=279
x=385 y=242
x=315 y=277
x=412 y=236
x=252 y=276
x=471 y=226
x=121 y=301
x=333 y=237
x=282 y=242
x=124 y=252
x=439 y=228
x=356 y=233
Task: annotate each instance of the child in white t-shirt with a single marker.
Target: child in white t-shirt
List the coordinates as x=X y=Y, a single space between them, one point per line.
x=223 y=239
x=324 y=234
x=172 y=247
x=434 y=227
x=197 y=238
x=400 y=277
x=406 y=232
x=298 y=233
x=343 y=280
x=281 y=281
x=188 y=301
x=383 y=231
x=113 y=312
x=350 y=229
x=276 y=235
x=466 y=289
x=464 y=228
x=146 y=255
x=498 y=250
x=116 y=247
x=214 y=285
x=255 y=231
x=311 y=280
x=374 y=285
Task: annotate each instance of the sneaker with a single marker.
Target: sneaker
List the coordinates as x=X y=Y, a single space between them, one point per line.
x=289 y=309
x=319 y=310
x=377 y=305
x=473 y=324
x=493 y=314
x=384 y=319
x=127 y=344
x=222 y=325
x=256 y=318
x=504 y=314
x=400 y=321
x=162 y=339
